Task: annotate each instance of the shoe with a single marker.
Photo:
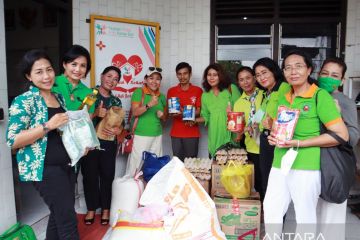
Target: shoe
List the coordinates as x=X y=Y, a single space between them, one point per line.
x=89 y=221
x=104 y=221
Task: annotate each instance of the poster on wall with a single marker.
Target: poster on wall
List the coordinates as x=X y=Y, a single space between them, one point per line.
x=130 y=45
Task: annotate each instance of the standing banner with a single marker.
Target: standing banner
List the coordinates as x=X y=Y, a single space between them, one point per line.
x=130 y=45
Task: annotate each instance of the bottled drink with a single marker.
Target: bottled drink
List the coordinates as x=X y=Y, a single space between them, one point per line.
x=89 y=100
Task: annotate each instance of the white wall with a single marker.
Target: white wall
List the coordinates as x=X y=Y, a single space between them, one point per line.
x=352 y=49
x=184 y=35
x=7 y=200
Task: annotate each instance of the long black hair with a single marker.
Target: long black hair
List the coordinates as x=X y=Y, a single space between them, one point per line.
x=224 y=80
x=28 y=60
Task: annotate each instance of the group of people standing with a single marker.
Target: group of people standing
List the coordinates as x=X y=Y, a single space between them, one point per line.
x=258 y=91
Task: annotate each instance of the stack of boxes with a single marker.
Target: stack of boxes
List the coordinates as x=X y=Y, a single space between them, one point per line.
x=239 y=218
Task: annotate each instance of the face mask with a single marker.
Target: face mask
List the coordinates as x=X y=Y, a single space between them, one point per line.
x=329 y=84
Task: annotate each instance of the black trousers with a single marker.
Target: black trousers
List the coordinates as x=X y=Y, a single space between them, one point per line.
x=266 y=159
x=185 y=147
x=98 y=170
x=58 y=191
x=257 y=174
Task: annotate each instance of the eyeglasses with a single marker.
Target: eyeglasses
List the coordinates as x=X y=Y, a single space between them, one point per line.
x=155 y=68
x=297 y=68
x=262 y=74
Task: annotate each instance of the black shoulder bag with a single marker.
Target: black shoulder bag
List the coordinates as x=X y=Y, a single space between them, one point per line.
x=337 y=167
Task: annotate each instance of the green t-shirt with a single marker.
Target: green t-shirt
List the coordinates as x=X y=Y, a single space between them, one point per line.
x=270 y=102
x=73 y=96
x=243 y=105
x=312 y=114
x=149 y=124
x=213 y=110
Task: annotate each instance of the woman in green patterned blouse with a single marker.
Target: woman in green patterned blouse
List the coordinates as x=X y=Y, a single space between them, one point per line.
x=34 y=117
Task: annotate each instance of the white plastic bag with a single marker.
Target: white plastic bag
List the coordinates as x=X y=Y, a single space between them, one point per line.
x=194 y=211
x=78 y=134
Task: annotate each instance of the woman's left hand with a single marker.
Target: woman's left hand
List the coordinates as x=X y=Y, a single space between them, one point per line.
x=287 y=144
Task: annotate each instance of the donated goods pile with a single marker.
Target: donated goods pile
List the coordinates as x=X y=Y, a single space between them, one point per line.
x=176 y=205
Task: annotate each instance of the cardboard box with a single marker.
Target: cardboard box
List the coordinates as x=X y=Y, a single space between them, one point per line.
x=239 y=217
x=217 y=189
x=205 y=184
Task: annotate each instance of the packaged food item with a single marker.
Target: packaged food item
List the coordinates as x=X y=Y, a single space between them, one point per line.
x=235 y=121
x=90 y=99
x=285 y=124
x=113 y=119
x=174 y=105
x=189 y=113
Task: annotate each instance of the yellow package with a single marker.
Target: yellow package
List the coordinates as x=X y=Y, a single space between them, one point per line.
x=236 y=178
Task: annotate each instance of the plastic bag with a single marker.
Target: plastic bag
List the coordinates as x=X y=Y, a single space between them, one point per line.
x=152 y=164
x=19 y=232
x=194 y=211
x=237 y=179
x=78 y=134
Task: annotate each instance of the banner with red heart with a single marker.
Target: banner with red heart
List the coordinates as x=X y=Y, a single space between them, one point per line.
x=130 y=68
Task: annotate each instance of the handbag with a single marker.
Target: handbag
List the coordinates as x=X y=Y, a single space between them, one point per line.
x=18 y=232
x=128 y=143
x=338 y=169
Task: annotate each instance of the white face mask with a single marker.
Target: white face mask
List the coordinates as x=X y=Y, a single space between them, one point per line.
x=288 y=160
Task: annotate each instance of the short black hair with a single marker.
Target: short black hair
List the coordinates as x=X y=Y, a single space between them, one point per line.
x=112 y=68
x=338 y=61
x=183 y=65
x=307 y=59
x=78 y=51
x=245 y=68
x=28 y=60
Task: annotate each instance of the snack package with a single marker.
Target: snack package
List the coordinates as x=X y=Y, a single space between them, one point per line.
x=285 y=124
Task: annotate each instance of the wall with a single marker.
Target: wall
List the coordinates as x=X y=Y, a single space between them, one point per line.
x=7 y=200
x=184 y=36
x=352 y=49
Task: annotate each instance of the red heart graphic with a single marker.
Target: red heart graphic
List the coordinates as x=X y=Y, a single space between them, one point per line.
x=119 y=60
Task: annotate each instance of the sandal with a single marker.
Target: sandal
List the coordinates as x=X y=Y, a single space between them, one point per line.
x=89 y=221
x=105 y=221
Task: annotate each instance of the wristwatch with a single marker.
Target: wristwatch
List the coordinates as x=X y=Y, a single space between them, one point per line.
x=45 y=128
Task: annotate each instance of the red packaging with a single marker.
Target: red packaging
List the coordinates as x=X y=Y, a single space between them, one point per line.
x=235 y=121
x=285 y=124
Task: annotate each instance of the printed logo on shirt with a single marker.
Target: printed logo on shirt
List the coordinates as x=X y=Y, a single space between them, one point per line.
x=193 y=100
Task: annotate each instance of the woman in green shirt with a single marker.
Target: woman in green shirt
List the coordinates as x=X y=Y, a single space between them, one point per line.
x=218 y=98
x=269 y=76
x=301 y=184
x=248 y=103
x=77 y=64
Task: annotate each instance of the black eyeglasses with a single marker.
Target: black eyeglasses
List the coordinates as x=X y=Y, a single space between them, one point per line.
x=155 y=68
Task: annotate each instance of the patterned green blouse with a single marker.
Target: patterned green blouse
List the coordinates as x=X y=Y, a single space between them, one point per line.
x=29 y=110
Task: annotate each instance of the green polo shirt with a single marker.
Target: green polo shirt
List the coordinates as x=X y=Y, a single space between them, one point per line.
x=270 y=101
x=312 y=114
x=149 y=124
x=243 y=105
x=64 y=87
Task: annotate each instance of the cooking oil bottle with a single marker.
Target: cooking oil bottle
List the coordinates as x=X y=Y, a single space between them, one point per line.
x=89 y=100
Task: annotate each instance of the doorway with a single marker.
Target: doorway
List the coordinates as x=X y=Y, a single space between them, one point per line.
x=33 y=24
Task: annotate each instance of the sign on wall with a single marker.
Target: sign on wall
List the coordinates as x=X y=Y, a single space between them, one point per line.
x=130 y=45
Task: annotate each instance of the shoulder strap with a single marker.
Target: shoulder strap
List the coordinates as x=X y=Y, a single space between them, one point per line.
x=137 y=118
x=336 y=137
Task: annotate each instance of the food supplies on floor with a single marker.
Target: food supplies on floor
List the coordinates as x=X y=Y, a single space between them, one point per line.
x=199 y=167
x=237 y=179
x=145 y=223
x=78 y=134
x=194 y=211
x=126 y=193
x=236 y=154
x=239 y=218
